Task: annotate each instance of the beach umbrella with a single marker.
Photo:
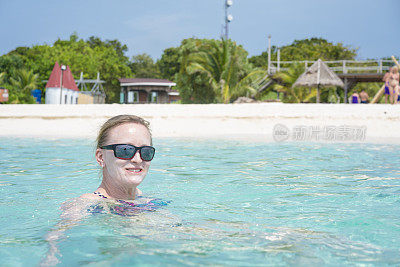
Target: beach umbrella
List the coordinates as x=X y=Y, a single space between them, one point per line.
x=319 y=74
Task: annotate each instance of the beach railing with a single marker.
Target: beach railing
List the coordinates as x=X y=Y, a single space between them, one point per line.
x=339 y=66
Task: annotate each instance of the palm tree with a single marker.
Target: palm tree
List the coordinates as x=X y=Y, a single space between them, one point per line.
x=225 y=64
x=2 y=76
x=287 y=79
x=333 y=96
x=22 y=83
x=24 y=80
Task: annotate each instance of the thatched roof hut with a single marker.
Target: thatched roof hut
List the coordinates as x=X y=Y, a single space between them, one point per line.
x=319 y=74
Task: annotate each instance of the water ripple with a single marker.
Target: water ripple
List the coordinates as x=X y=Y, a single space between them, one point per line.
x=240 y=203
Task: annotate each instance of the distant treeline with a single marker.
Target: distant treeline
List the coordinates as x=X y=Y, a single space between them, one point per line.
x=205 y=70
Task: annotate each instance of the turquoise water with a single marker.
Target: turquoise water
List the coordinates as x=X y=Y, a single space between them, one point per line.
x=232 y=203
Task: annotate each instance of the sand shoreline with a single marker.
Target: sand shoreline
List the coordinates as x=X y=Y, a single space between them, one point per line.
x=231 y=121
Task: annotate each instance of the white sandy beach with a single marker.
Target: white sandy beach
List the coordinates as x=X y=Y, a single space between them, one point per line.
x=231 y=121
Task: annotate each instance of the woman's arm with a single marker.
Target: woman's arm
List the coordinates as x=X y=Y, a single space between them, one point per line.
x=72 y=212
x=385 y=77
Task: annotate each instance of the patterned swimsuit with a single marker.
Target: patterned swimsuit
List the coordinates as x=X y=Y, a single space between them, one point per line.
x=124 y=208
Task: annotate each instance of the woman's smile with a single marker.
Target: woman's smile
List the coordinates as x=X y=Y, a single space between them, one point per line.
x=134 y=170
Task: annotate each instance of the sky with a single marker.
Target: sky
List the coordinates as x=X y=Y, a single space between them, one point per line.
x=150 y=26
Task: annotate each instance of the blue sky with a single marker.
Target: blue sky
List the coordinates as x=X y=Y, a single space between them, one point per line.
x=147 y=26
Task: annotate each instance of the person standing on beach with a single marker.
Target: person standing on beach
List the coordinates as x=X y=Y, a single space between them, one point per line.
x=364 y=97
x=355 y=98
x=386 y=81
x=394 y=85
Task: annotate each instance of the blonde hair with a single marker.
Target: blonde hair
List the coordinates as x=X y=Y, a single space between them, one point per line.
x=395 y=69
x=116 y=121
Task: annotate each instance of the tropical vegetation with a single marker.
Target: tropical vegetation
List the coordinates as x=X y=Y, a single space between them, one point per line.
x=225 y=66
x=285 y=86
x=308 y=49
x=21 y=85
x=205 y=70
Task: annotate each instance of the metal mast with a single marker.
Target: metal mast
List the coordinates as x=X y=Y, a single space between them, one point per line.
x=228 y=17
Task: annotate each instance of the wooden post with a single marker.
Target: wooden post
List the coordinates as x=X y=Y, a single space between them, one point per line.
x=269 y=54
x=279 y=59
x=344 y=66
x=318 y=80
x=395 y=61
x=378 y=95
x=346 y=88
x=380 y=66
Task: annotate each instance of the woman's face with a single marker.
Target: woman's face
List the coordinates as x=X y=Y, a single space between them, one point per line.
x=125 y=172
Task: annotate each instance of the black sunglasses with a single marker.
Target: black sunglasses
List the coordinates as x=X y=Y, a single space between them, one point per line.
x=124 y=151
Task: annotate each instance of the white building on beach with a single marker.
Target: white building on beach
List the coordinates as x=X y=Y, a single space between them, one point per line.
x=70 y=91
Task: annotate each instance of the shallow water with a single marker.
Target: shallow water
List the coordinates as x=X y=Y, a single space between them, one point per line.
x=232 y=203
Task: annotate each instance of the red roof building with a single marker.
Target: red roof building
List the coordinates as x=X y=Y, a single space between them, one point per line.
x=55 y=79
x=69 y=94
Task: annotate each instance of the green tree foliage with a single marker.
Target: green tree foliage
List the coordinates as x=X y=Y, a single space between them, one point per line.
x=315 y=48
x=143 y=66
x=2 y=77
x=206 y=71
x=308 y=49
x=332 y=95
x=9 y=64
x=192 y=88
x=261 y=61
x=22 y=83
x=293 y=94
x=225 y=66
x=89 y=57
x=303 y=94
x=169 y=64
x=119 y=48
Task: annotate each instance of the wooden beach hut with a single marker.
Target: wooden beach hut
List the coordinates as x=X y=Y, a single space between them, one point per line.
x=319 y=74
x=144 y=90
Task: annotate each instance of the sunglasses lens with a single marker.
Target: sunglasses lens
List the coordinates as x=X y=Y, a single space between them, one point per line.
x=147 y=153
x=124 y=151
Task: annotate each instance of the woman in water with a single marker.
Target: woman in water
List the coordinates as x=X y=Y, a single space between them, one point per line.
x=124 y=151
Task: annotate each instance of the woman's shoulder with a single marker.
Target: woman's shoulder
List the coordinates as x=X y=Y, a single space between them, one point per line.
x=76 y=207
